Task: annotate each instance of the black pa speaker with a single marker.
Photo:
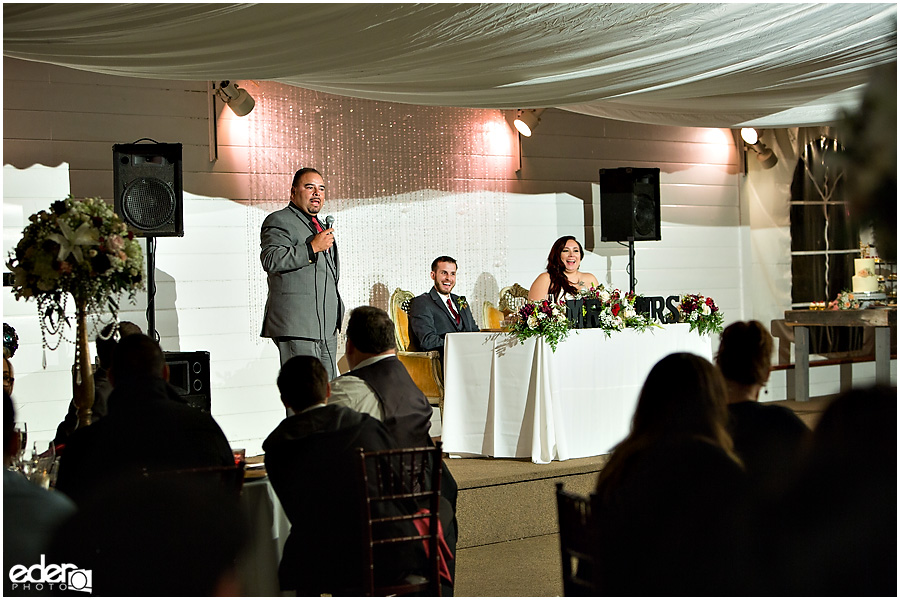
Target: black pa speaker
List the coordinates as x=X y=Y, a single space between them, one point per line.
x=189 y=375
x=147 y=187
x=629 y=204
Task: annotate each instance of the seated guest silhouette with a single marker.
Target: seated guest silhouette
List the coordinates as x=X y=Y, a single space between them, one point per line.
x=148 y=427
x=379 y=385
x=106 y=345
x=438 y=311
x=768 y=438
x=9 y=375
x=31 y=514
x=834 y=532
x=155 y=538
x=562 y=280
x=671 y=489
x=311 y=459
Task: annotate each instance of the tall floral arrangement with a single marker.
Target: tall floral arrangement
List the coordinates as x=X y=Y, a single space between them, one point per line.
x=541 y=318
x=701 y=313
x=78 y=247
x=617 y=310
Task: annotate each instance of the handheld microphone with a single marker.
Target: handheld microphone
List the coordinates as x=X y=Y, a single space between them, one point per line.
x=329 y=222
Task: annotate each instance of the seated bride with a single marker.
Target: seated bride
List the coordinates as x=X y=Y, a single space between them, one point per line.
x=562 y=280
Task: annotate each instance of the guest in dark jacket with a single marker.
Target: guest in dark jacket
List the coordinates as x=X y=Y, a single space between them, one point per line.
x=311 y=459
x=671 y=490
x=106 y=347
x=148 y=428
x=769 y=439
x=378 y=384
x=834 y=532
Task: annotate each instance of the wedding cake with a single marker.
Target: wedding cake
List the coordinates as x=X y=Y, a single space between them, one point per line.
x=864 y=279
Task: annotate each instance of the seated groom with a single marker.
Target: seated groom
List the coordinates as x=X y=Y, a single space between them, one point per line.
x=438 y=312
x=147 y=426
x=311 y=460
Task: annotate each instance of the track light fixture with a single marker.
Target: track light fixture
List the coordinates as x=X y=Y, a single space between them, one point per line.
x=527 y=120
x=239 y=100
x=764 y=155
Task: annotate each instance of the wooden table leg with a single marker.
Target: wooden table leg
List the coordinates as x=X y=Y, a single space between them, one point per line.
x=801 y=362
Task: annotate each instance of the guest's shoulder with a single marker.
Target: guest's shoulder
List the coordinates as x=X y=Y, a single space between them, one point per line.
x=345 y=384
x=767 y=413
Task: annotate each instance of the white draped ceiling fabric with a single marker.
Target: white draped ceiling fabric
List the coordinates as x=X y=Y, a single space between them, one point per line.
x=706 y=65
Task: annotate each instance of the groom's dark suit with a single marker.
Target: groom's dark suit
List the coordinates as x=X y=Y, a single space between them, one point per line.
x=430 y=321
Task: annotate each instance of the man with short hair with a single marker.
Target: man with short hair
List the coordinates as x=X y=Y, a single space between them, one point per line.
x=379 y=384
x=311 y=460
x=304 y=309
x=438 y=312
x=148 y=427
x=106 y=344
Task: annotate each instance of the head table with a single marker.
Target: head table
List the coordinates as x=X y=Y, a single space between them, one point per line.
x=511 y=399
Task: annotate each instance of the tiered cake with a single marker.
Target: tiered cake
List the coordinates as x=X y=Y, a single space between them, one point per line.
x=864 y=279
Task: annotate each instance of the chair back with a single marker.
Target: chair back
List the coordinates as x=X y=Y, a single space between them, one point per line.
x=399 y=307
x=578 y=542
x=492 y=317
x=398 y=484
x=512 y=298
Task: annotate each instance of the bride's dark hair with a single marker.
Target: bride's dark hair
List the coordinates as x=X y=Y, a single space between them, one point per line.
x=556 y=270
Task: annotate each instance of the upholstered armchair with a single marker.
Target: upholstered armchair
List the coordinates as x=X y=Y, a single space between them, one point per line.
x=424 y=367
x=491 y=316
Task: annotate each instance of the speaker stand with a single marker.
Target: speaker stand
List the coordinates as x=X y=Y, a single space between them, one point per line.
x=631 y=279
x=151 y=289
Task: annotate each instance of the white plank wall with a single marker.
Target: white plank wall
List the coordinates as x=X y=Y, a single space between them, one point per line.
x=60 y=125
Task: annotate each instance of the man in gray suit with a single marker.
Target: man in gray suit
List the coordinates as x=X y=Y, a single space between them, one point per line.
x=304 y=309
x=437 y=312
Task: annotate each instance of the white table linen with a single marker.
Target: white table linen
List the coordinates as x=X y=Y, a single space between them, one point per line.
x=503 y=398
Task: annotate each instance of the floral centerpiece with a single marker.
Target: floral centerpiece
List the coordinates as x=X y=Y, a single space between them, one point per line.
x=617 y=310
x=82 y=248
x=541 y=318
x=844 y=301
x=701 y=313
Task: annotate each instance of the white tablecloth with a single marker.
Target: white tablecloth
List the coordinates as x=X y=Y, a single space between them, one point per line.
x=508 y=399
x=257 y=567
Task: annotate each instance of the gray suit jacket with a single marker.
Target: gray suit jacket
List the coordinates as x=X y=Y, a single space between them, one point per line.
x=430 y=321
x=303 y=297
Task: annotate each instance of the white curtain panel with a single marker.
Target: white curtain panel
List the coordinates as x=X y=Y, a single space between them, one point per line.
x=699 y=64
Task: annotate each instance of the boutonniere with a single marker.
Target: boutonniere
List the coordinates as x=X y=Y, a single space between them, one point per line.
x=461 y=300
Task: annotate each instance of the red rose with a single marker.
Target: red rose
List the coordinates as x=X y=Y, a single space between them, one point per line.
x=615 y=310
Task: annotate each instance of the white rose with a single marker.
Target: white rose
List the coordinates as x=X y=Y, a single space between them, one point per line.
x=532 y=321
x=604 y=296
x=704 y=308
x=629 y=312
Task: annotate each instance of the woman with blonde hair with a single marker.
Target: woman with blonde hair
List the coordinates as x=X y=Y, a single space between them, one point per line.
x=670 y=492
